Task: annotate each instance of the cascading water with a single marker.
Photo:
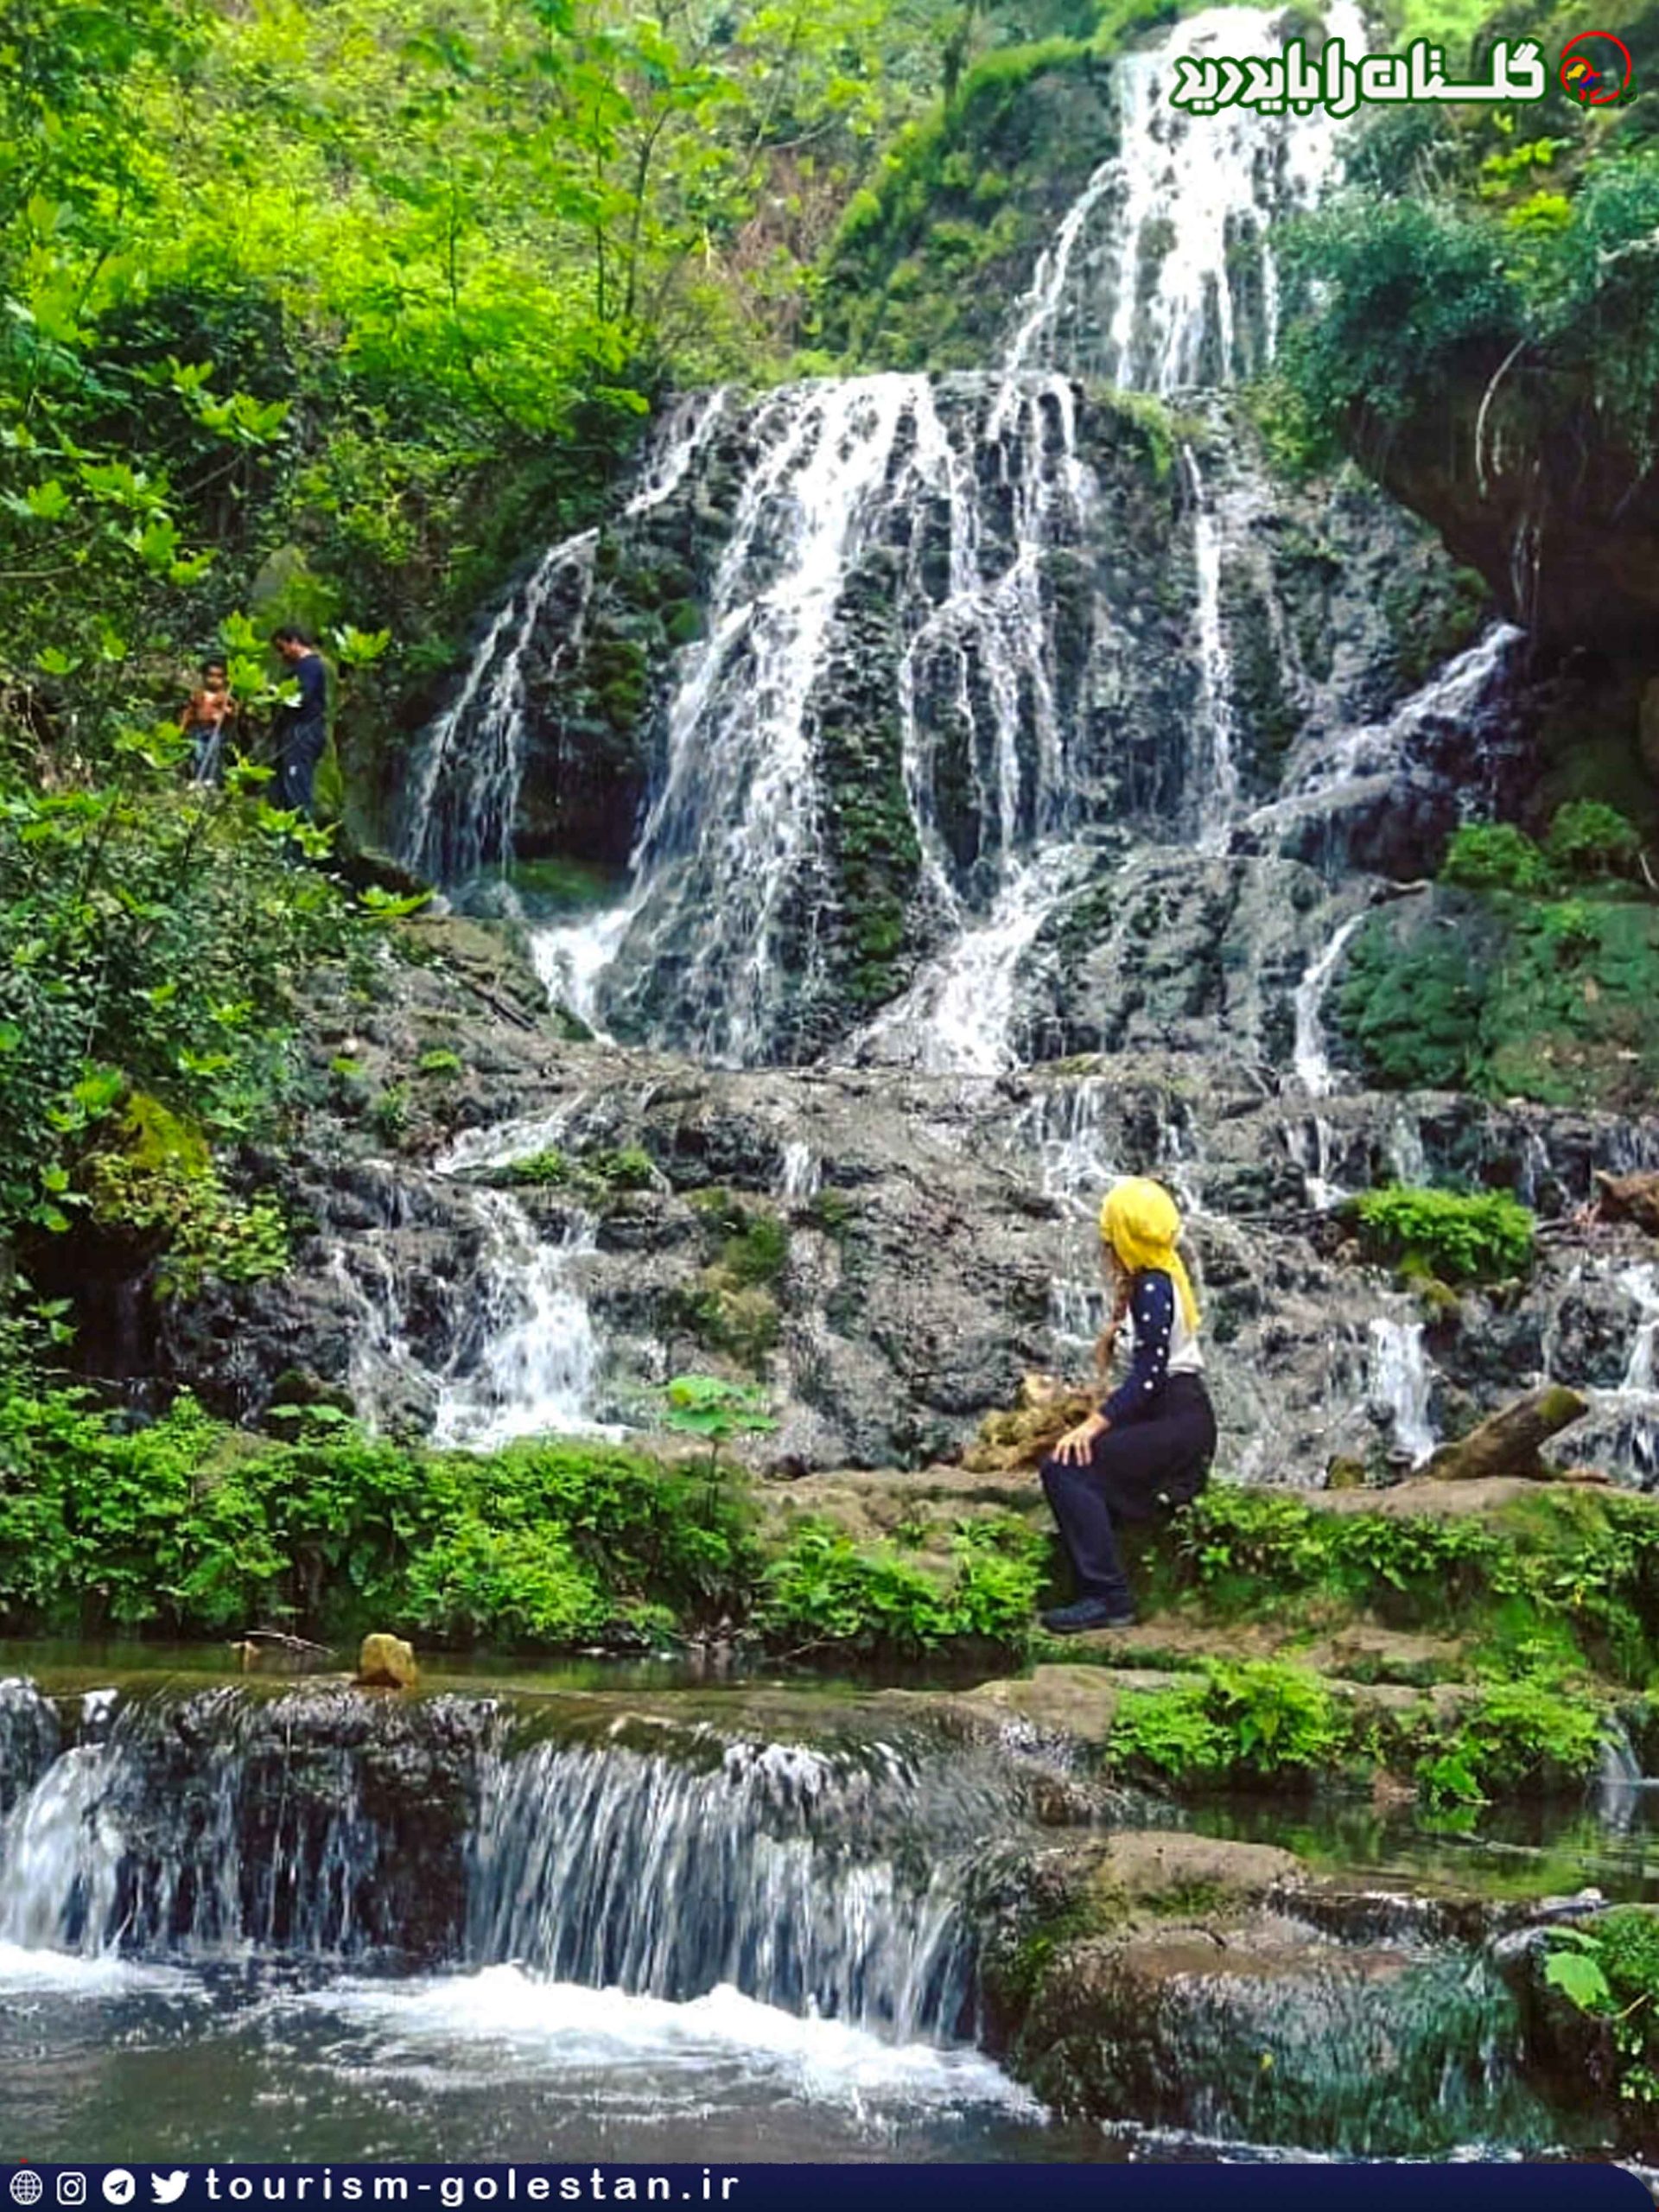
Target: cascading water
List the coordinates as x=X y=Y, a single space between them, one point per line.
x=1221 y=778
x=459 y=812
x=517 y=1354
x=527 y=1360
x=671 y=1878
x=1162 y=276
x=1620 y=1433
x=1310 y=1058
x=909 y=536
x=633 y=1898
x=635 y=1932
x=1400 y=1385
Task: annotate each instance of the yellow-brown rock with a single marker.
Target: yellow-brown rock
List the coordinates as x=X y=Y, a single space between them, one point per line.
x=387 y=1663
x=1046 y=1409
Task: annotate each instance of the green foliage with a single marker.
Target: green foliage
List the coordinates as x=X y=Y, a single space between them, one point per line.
x=1447 y=1233
x=1523 y=1736
x=1411 y=294
x=1494 y=856
x=916 y=275
x=185 y=1526
x=598 y=1173
x=703 y=1405
x=1573 y=1575
x=824 y=1590
x=195 y=1227
x=1608 y=1968
x=148 y=942
x=438 y=1061
x=539 y=1169
x=1588 y=838
x=1248 y=1720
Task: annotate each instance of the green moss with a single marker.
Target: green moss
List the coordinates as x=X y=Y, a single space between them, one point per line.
x=1534 y=997
x=734 y=1307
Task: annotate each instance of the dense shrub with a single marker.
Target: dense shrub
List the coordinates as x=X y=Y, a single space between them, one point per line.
x=1410 y=293
x=1494 y=856
x=1458 y=1238
x=823 y=1589
x=187 y=1525
x=1588 y=838
x=1249 y=1720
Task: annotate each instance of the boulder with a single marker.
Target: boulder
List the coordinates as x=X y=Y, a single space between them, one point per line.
x=1629 y=1198
x=387 y=1663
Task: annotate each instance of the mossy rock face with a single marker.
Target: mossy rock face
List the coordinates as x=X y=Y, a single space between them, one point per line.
x=1512 y=995
x=923 y=269
x=1221 y=1986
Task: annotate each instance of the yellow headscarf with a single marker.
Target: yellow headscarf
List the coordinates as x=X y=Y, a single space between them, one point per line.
x=1138 y=1220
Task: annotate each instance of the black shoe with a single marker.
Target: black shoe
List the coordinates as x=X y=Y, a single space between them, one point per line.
x=1087 y=1613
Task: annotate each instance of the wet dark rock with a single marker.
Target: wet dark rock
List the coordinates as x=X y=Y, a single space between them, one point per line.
x=30 y=1739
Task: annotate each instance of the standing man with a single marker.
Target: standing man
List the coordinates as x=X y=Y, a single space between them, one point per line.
x=303 y=730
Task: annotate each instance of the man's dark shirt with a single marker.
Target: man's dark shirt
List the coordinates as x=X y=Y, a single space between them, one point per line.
x=307 y=724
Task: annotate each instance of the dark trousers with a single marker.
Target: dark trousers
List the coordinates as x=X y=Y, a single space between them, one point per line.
x=296 y=771
x=1133 y=1473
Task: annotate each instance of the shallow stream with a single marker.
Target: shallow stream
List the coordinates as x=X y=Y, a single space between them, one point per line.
x=688 y=1921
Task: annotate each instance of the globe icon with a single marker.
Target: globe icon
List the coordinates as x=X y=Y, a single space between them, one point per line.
x=27 y=2187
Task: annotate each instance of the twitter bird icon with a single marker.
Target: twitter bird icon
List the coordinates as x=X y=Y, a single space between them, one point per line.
x=168 y=2189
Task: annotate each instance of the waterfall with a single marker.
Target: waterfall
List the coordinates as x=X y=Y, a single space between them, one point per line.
x=891 y=558
x=136 y=1844
x=528 y=1355
x=1619 y=1780
x=1620 y=1432
x=514 y=1352
x=1311 y=1145
x=570 y=957
x=661 y=1860
x=462 y=800
x=771 y=1869
x=383 y=1356
x=464 y=795
x=1309 y=1057
x=1641 y=1284
x=959 y=1016
x=800 y=1175
x=1064 y=1129
x=1462 y=710
x=1182 y=288
x=1399 y=1384
x=29 y=1740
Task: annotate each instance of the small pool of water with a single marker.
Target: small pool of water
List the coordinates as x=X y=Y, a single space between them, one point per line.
x=104 y=2061
x=68 y=1665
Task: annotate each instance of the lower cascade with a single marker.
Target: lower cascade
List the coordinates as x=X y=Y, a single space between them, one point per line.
x=594 y=1889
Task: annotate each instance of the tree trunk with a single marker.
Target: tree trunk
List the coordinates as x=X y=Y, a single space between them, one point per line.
x=1507 y=1443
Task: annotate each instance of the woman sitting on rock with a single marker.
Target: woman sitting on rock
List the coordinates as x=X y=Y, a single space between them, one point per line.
x=1150 y=1445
